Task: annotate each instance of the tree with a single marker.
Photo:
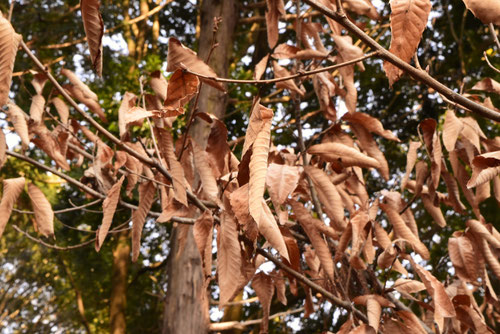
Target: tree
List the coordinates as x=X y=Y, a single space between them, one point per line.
x=308 y=177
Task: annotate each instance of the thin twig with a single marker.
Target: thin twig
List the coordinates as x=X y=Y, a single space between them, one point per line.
x=75 y=208
x=11 y=9
x=293 y=76
x=107 y=31
x=421 y=76
x=335 y=300
x=228 y=325
x=489 y=64
x=41 y=242
x=494 y=35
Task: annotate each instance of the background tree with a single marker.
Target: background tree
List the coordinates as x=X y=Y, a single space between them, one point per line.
x=315 y=229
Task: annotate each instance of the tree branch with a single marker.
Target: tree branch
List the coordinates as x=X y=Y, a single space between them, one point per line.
x=294 y=76
x=419 y=75
x=335 y=300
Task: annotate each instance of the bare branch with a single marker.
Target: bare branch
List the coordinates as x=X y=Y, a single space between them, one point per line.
x=421 y=76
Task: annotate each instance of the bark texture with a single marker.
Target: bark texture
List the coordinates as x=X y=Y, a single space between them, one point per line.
x=118 y=302
x=212 y=100
x=186 y=307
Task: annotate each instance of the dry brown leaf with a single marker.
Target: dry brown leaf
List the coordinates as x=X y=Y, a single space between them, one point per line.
x=405 y=285
x=404 y=232
x=44 y=215
x=281 y=72
x=452 y=127
x=62 y=109
x=411 y=158
x=362 y=7
x=433 y=210
x=287 y=51
x=94 y=30
x=453 y=192
x=180 y=57
x=370 y=146
x=147 y=192
x=128 y=102
x=16 y=116
x=51 y=144
x=182 y=86
x=166 y=145
x=275 y=9
x=86 y=92
x=363 y=329
x=479 y=228
x=93 y=105
x=408 y=21
x=37 y=108
x=260 y=68
x=328 y=196
x=258 y=170
x=490 y=257
x=3 y=149
x=463 y=257
x=202 y=232
x=259 y=116
x=205 y=172
x=281 y=180
x=12 y=188
x=319 y=244
x=271 y=232
x=484 y=168
x=488 y=11
x=443 y=307
x=371 y=124
x=9 y=42
x=325 y=90
x=264 y=289
x=343 y=154
x=373 y=305
x=488 y=85
x=108 y=207
x=412 y=322
x=348 y=51
x=229 y=259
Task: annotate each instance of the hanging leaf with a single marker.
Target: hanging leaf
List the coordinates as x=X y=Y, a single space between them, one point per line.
x=37 y=108
x=128 y=102
x=62 y=109
x=411 y=158
x=443 y=307
x=258 y=117
x=463 y=257
x=264 y=289
x=484 y=168
x=94 y=30
x=270 y=230
x=44 y=215
x=93 y=105
x=9 y=42
x=452 y=127
x=16 y=116
x=147 y=192
x=229 y=259
x=343 y=154
x=275 y=9
x=281 y=72
x=371 y=124
x=488 y=11
x=108 y=208
x=205 y=172
x=202 y=232
x=3 y=150
x=182 y=86
x=11 y=190
x=258 y=170
x=408 y=20
x=281 y=180
x=374 y=304
x=328 y=196
x=180 y=57
x=319 y=244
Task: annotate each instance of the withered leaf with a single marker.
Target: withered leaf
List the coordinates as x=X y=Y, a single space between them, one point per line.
x=182 y=86
x=408 y=20
x=94 y=30
x=9 y=42
x=12 y=188
x=44 y=215
x=108 y=208
x=488 y=11
x=147 y=192
x=275 y=9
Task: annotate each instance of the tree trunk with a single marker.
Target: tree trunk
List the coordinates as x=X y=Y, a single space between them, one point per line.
x=186 y=305
x=212 y=100
x=118 y=301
